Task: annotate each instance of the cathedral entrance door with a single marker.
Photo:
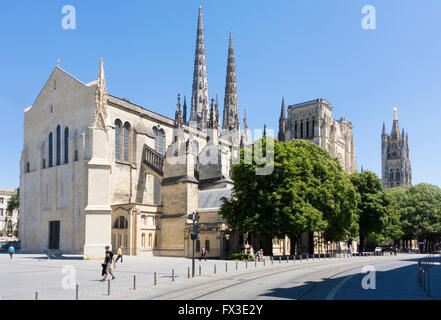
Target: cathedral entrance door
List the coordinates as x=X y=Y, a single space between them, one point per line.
x=54 y=235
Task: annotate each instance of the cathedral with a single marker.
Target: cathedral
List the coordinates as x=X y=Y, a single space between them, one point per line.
x=312 y=121
x=100 y=170
x=395 y=161
x=97 y=169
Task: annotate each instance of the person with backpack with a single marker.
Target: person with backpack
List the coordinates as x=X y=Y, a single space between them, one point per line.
x=11 y=251
x=108 y=259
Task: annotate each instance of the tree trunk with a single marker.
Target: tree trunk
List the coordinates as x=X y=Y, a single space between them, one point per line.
x=293 y=239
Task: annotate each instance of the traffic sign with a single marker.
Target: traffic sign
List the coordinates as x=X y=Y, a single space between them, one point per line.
x=193 y=216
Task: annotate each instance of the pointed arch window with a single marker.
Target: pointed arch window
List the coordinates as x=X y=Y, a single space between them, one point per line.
x=301 y=129
x=295 y=129
x=156 y=134
x=307 y=128
x=161 y=141
x=50 y=150
x=58 y=145
x=118 y=139
x=126 y=141
x=391 y=175
x=66 y=145
x=397 y=175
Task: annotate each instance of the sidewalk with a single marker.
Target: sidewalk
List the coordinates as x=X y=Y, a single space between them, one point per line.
x=22 y=276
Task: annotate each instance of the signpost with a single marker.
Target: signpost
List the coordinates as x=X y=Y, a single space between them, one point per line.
x=194 y=236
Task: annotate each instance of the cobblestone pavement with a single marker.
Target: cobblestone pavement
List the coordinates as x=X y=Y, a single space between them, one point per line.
x=25 y=274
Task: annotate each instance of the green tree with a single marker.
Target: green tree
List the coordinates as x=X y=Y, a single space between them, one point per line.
x=420 y=210
x=13 y=204
x=378 y=219
x=307 y=192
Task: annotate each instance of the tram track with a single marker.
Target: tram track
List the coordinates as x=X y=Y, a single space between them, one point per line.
x=219 y=285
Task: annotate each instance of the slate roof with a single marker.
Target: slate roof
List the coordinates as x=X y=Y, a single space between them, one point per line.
x=211 y=199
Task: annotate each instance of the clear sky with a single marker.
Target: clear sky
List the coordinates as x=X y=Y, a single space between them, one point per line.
x=298 y=49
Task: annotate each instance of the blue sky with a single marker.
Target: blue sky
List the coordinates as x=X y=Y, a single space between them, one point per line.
x=298 y=49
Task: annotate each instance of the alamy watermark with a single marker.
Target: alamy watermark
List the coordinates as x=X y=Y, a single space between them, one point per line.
x=69 y=21
x=369 y=20
x=369 y=280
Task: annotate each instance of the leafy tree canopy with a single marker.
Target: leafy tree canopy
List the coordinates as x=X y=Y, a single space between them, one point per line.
x=307 y=192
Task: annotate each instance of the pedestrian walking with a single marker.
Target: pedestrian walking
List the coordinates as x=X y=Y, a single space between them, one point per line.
x=251 y=254
x=108 y=259
x=261 y=255
x=203 y=254
x=120 y=254
x=350 y=251
x=11 y=251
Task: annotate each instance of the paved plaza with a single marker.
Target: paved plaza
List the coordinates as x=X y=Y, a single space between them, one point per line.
x=25 y=274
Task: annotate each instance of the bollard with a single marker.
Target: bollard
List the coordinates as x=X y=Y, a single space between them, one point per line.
x=313 y=256
x=280 y=259
x=77 y=289
x=287 y=259
x=246 y=264
x=36 y=294
x=134 y=281
x=226 y=267
x=173 y=274
x=154 y=279
x=272 y=260
x=236 y=265
x=428 y=282
x=188 y=272
x=307 y=257
x=301 y=257
x=200 y=270
x=255 y=262
x=215 y=269
x=263 y=261
x=108 y=287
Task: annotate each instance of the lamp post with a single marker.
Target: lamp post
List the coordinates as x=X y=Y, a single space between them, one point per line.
x=194 y=236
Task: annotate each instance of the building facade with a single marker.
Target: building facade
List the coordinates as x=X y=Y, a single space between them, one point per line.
x=395 y=161
x=312 y=121
x=98 y=170
x=8 y=220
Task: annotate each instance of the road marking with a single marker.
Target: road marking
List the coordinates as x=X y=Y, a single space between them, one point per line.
x=331 y=294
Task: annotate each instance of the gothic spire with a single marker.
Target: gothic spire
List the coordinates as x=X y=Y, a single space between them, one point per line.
x=211 y=120
x=245 y=125
x=282 y=122
x=231 y=108
x=101 y=99
x=383 y=133
x=199 y=100
x=184 y=117
x=395 y=135
x=216 y=113
x=178 y=115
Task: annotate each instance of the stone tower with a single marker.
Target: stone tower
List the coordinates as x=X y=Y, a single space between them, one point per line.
x=231 y=122
x=396 y=170
x=199 y=100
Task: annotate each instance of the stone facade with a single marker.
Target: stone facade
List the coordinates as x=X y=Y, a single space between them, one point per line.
x=312 y=120
x=98 y=170
x=395 y=161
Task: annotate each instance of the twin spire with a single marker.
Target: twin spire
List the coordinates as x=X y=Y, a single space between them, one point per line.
x=202 y=116
x=199 y=100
